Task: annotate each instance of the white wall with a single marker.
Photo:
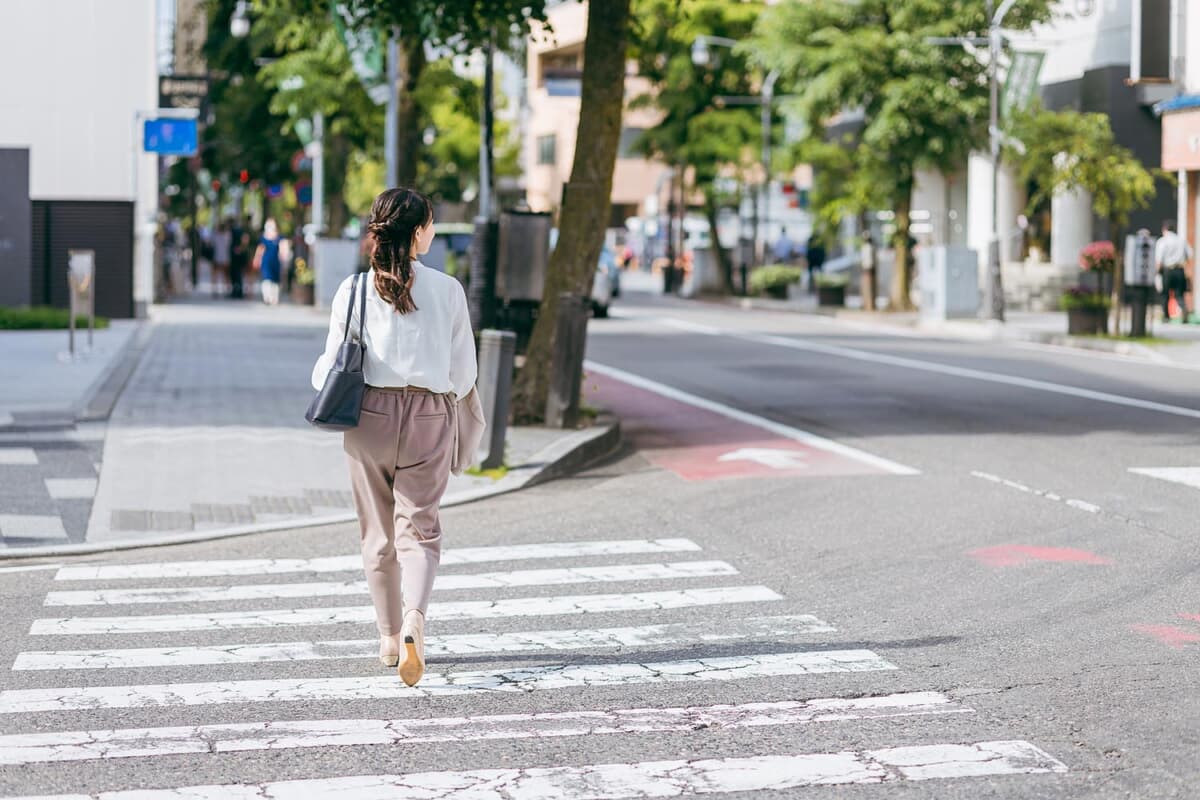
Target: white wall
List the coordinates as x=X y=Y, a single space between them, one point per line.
x=75 y=71
x=1076 y=44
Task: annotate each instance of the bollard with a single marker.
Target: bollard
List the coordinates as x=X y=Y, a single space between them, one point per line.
x=1141 y=297
x=497 y=350
x=566 y=366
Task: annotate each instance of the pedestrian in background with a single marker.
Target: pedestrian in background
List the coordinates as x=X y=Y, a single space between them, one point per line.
x=1171 y=254
x=239 y=258
x=815 y=256
x=420 y=360
x=784 y=248
x=222 y=246
x=268 y=262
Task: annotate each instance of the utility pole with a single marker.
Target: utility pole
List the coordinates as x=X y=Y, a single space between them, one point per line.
x=768 y=97
x=390 y=131
x=995 y=275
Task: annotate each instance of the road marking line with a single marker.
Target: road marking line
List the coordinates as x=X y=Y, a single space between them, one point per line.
x=71 y=488
x=485 y=580
x=1079 y=504
x=35 y=526
x=640 y=779
x=30 y=568
x=462 y=555
x=466 y=609
x=941 y=369
x=17 y=456
x=777 y=428
x=769 y=628
x=521 y=680
x=40 y=748
x=1188 y=476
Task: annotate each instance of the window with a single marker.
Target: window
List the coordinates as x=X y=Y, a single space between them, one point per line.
x=547 y=147
x=628 y=137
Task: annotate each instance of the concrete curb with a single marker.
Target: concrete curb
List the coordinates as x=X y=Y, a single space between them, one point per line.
x=564 y=456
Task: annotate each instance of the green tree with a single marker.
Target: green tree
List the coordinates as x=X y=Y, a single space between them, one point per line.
x=696 y=130
x=1066 y=150
x=586 y=196
x=923 y=105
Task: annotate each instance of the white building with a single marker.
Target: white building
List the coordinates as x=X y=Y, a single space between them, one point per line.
x=78 y=72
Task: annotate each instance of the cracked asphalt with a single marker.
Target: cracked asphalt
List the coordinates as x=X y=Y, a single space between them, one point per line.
x=1062 y=625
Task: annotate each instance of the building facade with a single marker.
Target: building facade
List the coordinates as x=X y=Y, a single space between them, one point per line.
x=87 y=69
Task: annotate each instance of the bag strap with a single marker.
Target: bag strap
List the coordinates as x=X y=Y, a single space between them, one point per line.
x=362 y=307
x=350 y=307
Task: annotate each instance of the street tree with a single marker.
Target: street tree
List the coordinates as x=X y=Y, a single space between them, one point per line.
x=586 y=196
x=922 y=104
x=697 y=129
x=422 y=26
x=1067 y=150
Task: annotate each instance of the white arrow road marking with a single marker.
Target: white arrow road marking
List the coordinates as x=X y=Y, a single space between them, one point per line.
x=774 y=458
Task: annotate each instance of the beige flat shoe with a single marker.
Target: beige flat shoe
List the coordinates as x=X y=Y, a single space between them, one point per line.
x=412 y=661
x=389 y=650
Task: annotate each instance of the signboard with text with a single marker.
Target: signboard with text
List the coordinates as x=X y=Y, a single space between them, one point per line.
x=170 y=137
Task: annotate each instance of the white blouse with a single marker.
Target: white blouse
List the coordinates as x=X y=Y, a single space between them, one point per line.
x=432 y=347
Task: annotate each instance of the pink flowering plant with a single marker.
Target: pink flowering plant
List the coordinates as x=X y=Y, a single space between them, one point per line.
x=1100 y=257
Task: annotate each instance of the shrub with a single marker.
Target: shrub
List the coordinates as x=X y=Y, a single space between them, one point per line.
x=1098 y=257
x=304 y=273
x=1077 y=299
x=42 y=318
x=774 y=276
x=833 y=280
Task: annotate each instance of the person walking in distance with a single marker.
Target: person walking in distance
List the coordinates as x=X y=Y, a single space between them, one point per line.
x=420 y=360
x=222 y=253
x=269 y=262
x=1171 y=254
x=815 y=259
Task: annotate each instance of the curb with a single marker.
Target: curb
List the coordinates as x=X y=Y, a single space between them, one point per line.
x=563 y=457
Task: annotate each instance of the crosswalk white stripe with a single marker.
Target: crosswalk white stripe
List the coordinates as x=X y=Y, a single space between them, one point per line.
x=465 y=609
x=33 y=748
x=462 y=555
x=486 y=580
x=771 y=628
x=528 y=679
x=641 y=779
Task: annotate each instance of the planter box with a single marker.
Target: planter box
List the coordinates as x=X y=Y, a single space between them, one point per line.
x=1087 y=321
x=303 y=294
x=831 y=295
x=777 y=292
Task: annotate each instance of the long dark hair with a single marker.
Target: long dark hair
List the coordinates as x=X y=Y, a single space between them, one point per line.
x=395 y=217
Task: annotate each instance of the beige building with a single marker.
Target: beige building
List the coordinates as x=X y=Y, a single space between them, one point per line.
x=555 y=67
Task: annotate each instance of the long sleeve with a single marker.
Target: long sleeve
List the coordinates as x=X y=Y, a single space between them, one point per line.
x=464 y=369
x=337 y=328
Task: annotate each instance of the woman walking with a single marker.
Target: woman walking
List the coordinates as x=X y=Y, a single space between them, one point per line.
x=420 y=360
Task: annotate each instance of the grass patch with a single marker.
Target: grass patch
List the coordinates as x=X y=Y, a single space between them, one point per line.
x=495 y=474
x=42 y=318
x=1112 y=337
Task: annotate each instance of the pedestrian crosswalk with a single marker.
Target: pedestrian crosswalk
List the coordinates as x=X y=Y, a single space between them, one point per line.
x=665 y=646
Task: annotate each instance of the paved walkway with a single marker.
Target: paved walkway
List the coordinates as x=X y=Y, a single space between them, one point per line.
x=207 y=437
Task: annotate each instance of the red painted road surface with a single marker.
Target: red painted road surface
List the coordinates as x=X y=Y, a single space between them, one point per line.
x=700 y=445
x=1015 y=555
x=1169 y=634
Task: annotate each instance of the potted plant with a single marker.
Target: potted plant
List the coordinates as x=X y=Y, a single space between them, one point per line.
x=302 y=287
x=1087 y=311
x=831 y=289
x=773 y=280
x=1098 y=261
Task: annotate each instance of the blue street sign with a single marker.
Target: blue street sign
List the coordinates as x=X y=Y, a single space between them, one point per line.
x=170 y=137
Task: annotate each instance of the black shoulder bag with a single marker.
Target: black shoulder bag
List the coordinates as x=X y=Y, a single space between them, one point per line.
x=338 y=405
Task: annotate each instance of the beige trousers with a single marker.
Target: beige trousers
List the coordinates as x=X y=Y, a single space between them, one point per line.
x=399 y=458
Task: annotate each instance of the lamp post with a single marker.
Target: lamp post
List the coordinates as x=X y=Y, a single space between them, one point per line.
x=701 y=57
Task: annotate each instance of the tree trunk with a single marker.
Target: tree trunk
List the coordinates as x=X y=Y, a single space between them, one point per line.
x=724 y=259
x=901 y=296
x=408 y=134
x=1118 y=279
x=870 y=272
x=586 y=197
x=337 y=157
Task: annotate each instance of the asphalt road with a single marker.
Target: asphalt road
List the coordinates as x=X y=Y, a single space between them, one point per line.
x=927 y=564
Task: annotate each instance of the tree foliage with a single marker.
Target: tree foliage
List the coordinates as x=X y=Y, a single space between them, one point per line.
x=922 y=104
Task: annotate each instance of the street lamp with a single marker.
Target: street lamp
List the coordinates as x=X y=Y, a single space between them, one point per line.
x=239 y=23
x=701 y=57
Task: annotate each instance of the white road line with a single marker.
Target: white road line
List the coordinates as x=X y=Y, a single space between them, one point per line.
x=737 y=628
x=486 y=580
x=30 y=568
x=521 y=680
x=777 y=428
x=40 y=748
x=941 y=369
x=1188 y=476
x=17 y=456
x=466 y=609
x=461 y=555
x=640 y=779
x=1020 y=487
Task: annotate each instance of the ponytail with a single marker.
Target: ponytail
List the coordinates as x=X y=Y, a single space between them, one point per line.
x=395 y=217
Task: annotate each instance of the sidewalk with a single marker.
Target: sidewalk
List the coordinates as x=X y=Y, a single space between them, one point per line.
x=208 y=439
x=1181 y=345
